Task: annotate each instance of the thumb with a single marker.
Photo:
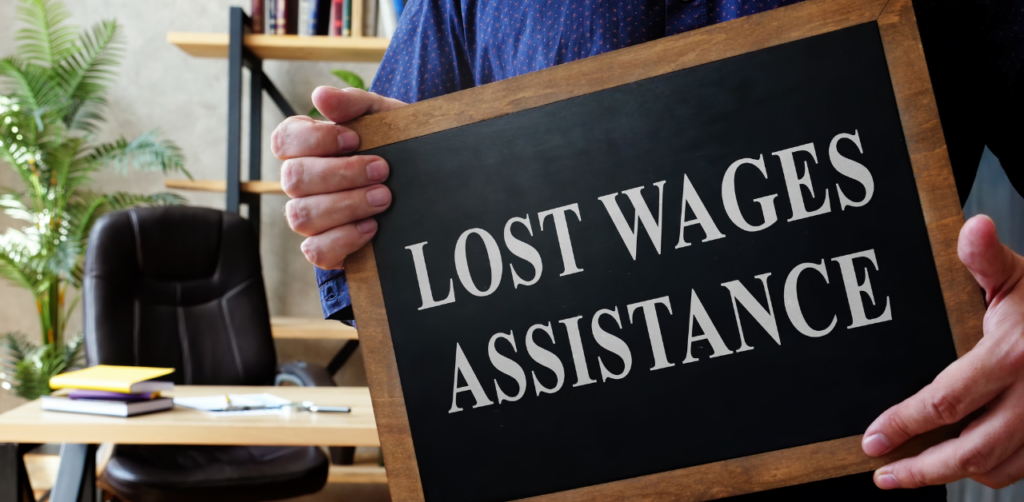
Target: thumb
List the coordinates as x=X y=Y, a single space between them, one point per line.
x=343 y=105
x=996 y=268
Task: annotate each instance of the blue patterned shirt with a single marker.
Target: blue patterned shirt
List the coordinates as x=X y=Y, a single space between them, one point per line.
x=974 y=50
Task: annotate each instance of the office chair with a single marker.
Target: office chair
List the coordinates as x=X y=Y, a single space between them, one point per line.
x=182 y=287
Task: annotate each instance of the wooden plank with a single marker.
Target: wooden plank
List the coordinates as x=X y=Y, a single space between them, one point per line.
x=30 y=424
x=810 y=18
x=301 y=328
x=382 y=376
x=357 y=474
x=260 y=187
x=766 y=471
x=933 y=172
x=42 y=471
x=291 y=47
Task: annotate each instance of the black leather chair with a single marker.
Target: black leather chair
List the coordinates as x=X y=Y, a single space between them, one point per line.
x=182 y=287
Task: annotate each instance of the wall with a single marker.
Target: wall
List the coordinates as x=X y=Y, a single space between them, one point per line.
x=186 y=98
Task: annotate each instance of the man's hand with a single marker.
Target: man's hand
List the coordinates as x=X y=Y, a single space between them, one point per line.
x=333 y=197
x=989 y=378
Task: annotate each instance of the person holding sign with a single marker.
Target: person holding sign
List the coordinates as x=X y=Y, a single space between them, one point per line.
x=442 y=47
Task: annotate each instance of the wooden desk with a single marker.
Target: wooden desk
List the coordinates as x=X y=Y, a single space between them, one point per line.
x=29 y=424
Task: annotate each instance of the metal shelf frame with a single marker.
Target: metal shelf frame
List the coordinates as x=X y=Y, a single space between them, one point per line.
x=238 y=57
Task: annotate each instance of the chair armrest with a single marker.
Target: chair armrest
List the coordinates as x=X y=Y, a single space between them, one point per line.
x=303 y=374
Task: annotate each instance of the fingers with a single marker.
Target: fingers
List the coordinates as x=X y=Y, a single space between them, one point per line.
x=990 y=441
x=1006 y=474
x=343 y=105
x=301 y=136
x=315 y=214
x=996 y=268
x=963 y=387
x=329 y=249
x=304 y=176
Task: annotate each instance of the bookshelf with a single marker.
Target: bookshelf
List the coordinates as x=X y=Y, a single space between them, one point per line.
x=255 y=187
x=287 y=47
x=242 y=49
x=299 y=328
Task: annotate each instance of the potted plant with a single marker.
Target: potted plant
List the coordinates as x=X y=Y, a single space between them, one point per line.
x=51 y=107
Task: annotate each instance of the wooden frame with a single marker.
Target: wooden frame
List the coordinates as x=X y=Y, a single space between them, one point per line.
x=931 y=166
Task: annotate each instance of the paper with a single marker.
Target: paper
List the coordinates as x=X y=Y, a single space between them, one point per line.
x=217 y=405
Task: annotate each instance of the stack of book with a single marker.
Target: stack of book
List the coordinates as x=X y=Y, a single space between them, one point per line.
x=333 y=18
x=120 y=391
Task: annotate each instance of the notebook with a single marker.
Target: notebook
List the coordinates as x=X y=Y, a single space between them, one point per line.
x=104 y=407
x=111 y=396
x=124 y=379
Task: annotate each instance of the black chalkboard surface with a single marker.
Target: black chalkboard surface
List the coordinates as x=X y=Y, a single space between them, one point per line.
x=707 y=264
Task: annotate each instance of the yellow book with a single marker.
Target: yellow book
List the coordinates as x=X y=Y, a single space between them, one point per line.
x=125 y=379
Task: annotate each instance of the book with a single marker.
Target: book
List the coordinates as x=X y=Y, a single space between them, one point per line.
x=111 y=396
x=388 y=18
x=336 y=23
x=123 y=379
x=281 y=16
x=323 y=17
x=270 y=17
x=307 y=18
x=105 y=407
x=346 y=29
x=256 y=17
x=399 y=5
x=369 y=18
x=291 y=21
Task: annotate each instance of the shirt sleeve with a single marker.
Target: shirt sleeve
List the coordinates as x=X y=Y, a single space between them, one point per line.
x=426 y=58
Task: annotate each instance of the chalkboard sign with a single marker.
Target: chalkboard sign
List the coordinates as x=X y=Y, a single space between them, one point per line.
x=701 y=276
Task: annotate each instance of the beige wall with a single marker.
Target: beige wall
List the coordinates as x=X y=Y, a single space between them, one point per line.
x=162 y=87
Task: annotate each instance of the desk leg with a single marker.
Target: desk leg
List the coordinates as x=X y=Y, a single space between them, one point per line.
x=14 y=485
x=76 y=477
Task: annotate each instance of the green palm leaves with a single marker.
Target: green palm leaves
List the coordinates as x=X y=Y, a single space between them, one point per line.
x=51 y=105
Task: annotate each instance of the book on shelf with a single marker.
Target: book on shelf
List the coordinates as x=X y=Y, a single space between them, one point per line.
x=336 y=20
x=269 y=17
x=307 y=18
x=346 y=29
x=117 y=408
x=388 y=18
x=369 y=18
x=323 y=17
x=399 y=5
x=257 y=24
x=291 y=17
x=280 y=17
x=122 y=379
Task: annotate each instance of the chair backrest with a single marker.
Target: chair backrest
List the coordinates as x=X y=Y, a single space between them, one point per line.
x=178 y=287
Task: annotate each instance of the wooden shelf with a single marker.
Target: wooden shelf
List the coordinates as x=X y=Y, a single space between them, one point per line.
x=215 y=45
x=300 y=328
x=357 y=474
x=261 y=187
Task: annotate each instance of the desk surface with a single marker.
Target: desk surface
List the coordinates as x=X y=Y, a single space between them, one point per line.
x=30 y=424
